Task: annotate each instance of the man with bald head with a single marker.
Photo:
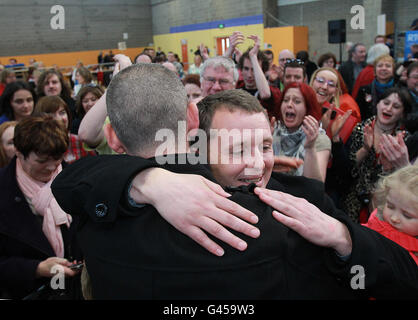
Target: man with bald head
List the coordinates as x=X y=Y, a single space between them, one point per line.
x=276 y=78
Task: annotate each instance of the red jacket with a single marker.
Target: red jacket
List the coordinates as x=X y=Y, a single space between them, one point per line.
x=406 y=241
x=365 y=77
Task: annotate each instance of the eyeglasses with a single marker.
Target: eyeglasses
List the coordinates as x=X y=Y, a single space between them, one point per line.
x=330 y=83
x=298 y=61
x=222 y=82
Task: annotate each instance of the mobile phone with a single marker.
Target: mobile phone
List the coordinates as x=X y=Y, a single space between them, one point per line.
x=77 y=266
x=333 y=113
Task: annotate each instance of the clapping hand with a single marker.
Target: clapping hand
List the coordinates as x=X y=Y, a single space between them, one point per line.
x=311 y=128
x=394 y=152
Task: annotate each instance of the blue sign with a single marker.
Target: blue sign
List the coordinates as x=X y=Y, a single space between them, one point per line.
x=411 y=38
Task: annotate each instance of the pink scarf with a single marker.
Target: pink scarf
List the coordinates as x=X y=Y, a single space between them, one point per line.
x=43 y=201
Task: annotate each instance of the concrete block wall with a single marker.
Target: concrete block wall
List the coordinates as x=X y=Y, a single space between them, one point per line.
x=175 y=13
x=89 y=25
x=315 y=15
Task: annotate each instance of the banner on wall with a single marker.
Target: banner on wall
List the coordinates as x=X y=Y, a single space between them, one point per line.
x=411 y=39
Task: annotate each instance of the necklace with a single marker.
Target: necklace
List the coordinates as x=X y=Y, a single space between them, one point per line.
x=384 y=131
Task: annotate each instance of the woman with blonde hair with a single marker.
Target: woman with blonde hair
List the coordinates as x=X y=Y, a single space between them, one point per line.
x=396 y=213
x=369 y=95
x=332 y=95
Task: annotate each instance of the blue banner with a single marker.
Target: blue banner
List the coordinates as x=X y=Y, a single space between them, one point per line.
x=411 y=38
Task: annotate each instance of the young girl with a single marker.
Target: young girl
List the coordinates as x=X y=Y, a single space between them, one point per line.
x=396 y=216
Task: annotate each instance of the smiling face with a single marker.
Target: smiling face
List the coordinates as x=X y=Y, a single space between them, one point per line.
x=390 y=111
x=401 y=211
x=325 y=86
x=22 y=104
x=384 y=70
x=247 y=159
x=293 y=109
x=88 y=101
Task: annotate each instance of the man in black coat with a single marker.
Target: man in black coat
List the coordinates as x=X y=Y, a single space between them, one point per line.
x=131 y=252
x=352 y=67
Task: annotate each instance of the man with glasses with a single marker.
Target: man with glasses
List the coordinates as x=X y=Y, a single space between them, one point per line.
x=218 y=74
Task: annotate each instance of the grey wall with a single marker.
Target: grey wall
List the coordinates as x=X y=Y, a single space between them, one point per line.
x=315 y=15
x=99 y=24
x=173 y=13
x=89 y=25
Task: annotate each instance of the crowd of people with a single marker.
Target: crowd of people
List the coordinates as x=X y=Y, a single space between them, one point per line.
x=326 y=179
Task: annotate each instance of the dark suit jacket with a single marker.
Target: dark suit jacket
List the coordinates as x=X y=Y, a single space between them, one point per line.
x=347 y=72
x=23 y=244
x=133 y=253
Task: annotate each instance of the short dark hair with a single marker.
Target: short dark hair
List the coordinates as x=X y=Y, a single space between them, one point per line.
x=231 y=100
x=41 y=135
x=403 y=95
x=325 y=57
x=295 y=64
x=260 y=57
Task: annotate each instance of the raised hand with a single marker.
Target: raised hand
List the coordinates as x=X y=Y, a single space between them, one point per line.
x=311 y=128
x=368 y=137
x=122 y=62
x=254 y=51
x=338 y=123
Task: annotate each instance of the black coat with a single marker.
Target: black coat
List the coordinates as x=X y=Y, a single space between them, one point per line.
x=347 y=72
x=23 y=244
x=133 y=253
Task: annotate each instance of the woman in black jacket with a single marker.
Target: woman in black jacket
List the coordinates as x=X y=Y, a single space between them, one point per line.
x=36 y=236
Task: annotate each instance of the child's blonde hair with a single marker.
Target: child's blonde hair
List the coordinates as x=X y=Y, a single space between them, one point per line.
x=405 y=178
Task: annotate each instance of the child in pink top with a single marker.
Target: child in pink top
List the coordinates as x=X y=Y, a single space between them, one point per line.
x=396 y=216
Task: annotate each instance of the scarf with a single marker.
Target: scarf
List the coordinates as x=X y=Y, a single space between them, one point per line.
x=290 y=144
x=381 y=87
x=42 y=199
x=406 y=241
